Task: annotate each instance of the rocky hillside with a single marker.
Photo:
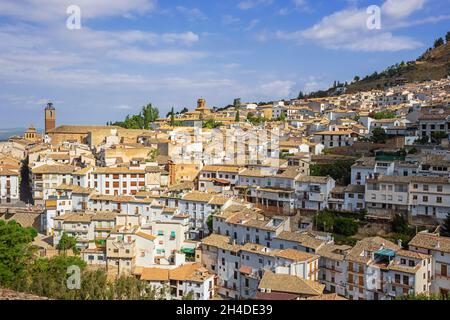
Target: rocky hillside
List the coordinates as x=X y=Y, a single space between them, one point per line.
x=434 y=64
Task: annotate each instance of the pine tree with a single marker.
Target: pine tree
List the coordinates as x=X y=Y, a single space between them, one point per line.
x=172 y=118
x=238 y=117
x=439 y=42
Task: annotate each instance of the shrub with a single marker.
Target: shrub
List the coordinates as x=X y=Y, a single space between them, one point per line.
x=345 y=226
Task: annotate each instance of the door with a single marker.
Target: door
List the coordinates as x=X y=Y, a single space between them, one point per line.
x=443 y=270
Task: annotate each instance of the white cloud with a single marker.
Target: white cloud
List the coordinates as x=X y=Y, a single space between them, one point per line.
x=193 y=14
x=55 y=10
x=229 y=20
x=401 y=8
x=252 y=24
x=168 y=56
x=302 y=5
x=250 y=4
x=283 y=12
x=347 y=29
x=123 y=107
x=185 y=38
x=277 y=88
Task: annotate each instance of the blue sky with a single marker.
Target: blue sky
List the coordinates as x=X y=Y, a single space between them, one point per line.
x=128 y=53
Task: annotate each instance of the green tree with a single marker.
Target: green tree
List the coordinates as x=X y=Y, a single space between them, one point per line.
x=324 y=221
x=172 y=118
x=345 y=226
x=438 y=136
x=188 y=296
x=66 y=243
x=383 y=115
x=152 y=155
x=255 y=120
x=133 y=122
x=237 y=118
x=301 y=95
x=379 y=135
x=447 y=37
x=95 y=286
x=149 y=114
x=211 y=124
x=209 y=222
x=282 y=116
x=445 y=228
x=48 y=277
x=339 y=171
x=16 y=251
x=399 y=224
x=356 y=78
x=439 y=42
x=237 y=103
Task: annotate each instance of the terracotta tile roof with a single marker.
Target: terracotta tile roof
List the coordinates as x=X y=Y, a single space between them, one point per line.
x=220 y=241
x=118 y=170
x=361 y=251
x=155 y=274
x=296 y=255
x=53 y=169
x=328 y=297
x=412 y=254
x=333 y=251
x=190 y=272
x=75 y=217
x=230 y=169
x=198 y=196
x=302 y=239
x=290 y=284
x=75 y=189
x=145 y=235
x=430 y=241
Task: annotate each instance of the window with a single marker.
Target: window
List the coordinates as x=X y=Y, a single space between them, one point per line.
x=439 y=199
x=439 y=188
x=425 y=199
x=443 y=270
x=425 y=187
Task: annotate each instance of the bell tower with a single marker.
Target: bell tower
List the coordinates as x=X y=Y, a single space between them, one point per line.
x=50 y=117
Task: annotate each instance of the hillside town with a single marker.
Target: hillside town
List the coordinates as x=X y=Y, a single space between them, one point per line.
x=344 y=197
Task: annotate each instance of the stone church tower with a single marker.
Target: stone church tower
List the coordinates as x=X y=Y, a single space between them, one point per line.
x=50 y=117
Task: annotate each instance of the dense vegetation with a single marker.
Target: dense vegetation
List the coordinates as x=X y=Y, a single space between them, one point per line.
x=339 y=171
x=343 y=225
x=382 y=115
x=22 y=270
x=142 y=120
x=402 y=231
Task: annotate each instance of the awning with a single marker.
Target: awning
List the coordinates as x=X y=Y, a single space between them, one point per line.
x=386 y=252
x=188 y=250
